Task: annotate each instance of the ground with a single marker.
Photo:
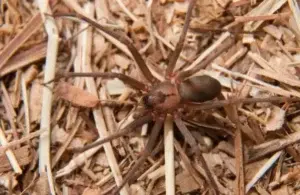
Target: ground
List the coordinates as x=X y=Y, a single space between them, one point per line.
x=249 y=147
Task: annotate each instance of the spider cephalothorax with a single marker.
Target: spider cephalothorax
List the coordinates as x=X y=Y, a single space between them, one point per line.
x=163 y=97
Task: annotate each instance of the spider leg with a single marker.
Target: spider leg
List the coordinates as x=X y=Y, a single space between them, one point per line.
x=208 y=59
x=147 y=152
x=106 y=75
x=123 y=39
x=217 y=104
x=192 y=142
x=175 y=54
x=131 y=127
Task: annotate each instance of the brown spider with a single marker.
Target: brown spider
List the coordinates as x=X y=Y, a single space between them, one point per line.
x=178 y=90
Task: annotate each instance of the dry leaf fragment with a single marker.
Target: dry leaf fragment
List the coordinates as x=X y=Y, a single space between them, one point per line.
x=23 y=157
x=76 y=143
x=76 y=95
x=31 y=27
x=186 y=182
x=41 y=187
x=137 y=144
x=137 y=190
x=58 y=135
x=89 y=191
x=121 y=61
x=7 y=180
x=115 y=87
x=261 y=190
x=215 y=163
x=282 y=190
x=30 y=74
x=276 y=119
x=288 y=35
x=292 y=176
x=138 y=26
x=101 y=159
x=181 y=7
x=210 y=10
x=25 y=58
x=274 y=31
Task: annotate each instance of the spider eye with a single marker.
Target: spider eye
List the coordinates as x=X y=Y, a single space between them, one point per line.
x=199 y=89
x=151 y=100
x=147 y=102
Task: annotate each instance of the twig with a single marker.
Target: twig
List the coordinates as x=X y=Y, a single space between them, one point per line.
x=296 y=12
x=26 y=104
x=11 y=114
x=24 y=58
x=31 y=27
x=77 y=162
x=269 y=87
x=263 y=170
x=264 y=8
x=277 y=76
x=52 y=49
x=66 y=143
x=239 y=154
x=192 y=142
x=152 y=168
x=10 y=155
x=169 y=156
x=22 y=140
x=261 y=150
x=187 y=164
x=262 y=17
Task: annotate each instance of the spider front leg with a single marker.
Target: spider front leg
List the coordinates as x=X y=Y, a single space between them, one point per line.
x=221 y=103
x=123 y=39
x=207 y=60
x=145 y=154
x=173 y=57
x=106 y=75
x=192 y=142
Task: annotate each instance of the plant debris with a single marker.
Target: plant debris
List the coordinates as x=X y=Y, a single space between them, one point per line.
x=250 y=146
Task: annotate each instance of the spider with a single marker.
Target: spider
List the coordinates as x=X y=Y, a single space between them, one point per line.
x=176 y=92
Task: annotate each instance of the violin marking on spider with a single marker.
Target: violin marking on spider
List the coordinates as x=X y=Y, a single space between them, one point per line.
x=163 y=97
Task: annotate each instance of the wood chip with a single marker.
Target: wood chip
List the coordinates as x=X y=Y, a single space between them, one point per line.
x=274 y=31
x=186 y=182
x=35 y=103
x=23 y=157
x=90 y=191
x=115 y=87
x=276 y=119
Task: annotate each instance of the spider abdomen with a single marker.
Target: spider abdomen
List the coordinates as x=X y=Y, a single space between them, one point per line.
x=199 y=89
x=163 y=97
